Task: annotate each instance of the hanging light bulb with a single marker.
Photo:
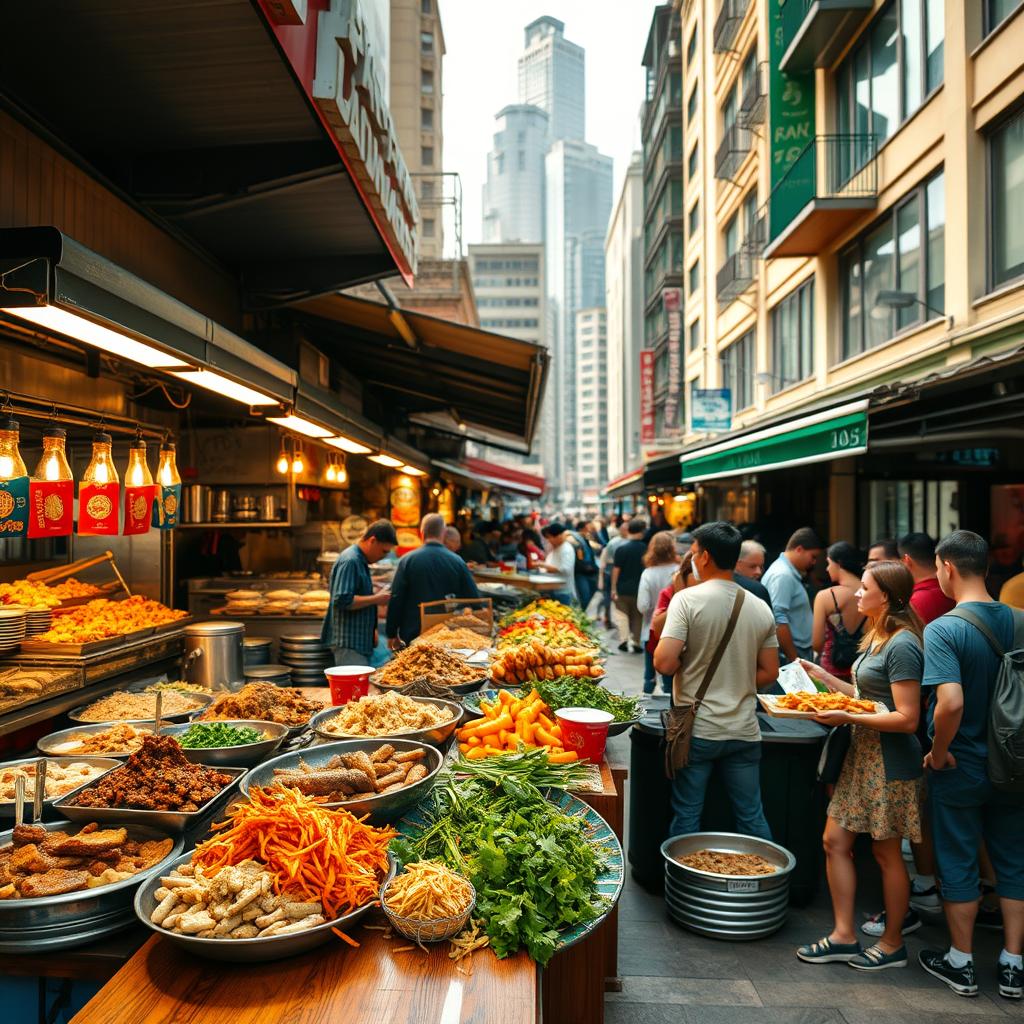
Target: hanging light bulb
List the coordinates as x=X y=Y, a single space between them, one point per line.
x=53 y=464
x=11 y=463
x=298 y=464
x=101 y=469
x=342 y=475
x=331 y=473
x=137 y=474
x=283 y=462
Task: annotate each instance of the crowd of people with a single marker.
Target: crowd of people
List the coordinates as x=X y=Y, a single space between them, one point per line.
x=910 y=626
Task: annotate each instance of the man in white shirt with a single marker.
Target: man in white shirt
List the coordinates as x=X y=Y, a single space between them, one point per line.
x=725 y=729
x=561 y=558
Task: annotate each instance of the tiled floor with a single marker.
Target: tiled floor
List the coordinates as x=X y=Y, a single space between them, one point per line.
x=671 y=976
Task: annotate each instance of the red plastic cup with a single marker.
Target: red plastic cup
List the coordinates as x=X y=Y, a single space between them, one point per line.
x=585 y=730
x=348 y=682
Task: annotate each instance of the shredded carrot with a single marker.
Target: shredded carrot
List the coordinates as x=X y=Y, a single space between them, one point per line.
x=318 y=854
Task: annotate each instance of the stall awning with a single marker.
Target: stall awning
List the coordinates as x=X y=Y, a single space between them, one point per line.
x=622 y=486
x=478 y=471
x=203 y=115
x=484 y=382
x=828 y=434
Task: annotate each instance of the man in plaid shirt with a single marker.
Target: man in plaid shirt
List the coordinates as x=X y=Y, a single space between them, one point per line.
x=350 y=626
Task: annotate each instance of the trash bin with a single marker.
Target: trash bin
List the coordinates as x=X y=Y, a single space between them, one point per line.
x=794 y=802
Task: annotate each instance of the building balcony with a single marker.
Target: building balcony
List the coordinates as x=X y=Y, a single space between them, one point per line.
x=754 y=103
x=819 y=30
x=727 y=24
x=735 y=276
x=830 y=185
x=732 y=152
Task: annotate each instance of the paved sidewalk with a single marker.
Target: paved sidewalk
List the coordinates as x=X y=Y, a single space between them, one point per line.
x=671 y=975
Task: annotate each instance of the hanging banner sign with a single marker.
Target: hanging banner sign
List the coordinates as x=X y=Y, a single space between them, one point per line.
x=98 y=506
x=646 y=396
x=51 y=508
x=166 y=501
x=138 y=509
x=14 y=507
x=672 y=299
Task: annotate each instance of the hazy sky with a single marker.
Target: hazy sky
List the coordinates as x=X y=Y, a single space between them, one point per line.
x=484 y=39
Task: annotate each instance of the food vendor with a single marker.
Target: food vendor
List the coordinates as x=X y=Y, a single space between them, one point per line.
x=430 y=573
x=350 y=625
x=485 y=545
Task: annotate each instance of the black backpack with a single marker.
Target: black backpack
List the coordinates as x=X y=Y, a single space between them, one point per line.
x=586 y=563
x=1006 y=712
x=845 y=645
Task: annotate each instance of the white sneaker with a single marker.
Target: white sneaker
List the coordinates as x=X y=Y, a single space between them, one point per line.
x=925 y=901
x=908 y=853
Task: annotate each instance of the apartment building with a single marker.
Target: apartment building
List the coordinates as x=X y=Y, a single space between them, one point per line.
x=875 y=373
x=591 y=405
x=417 y=50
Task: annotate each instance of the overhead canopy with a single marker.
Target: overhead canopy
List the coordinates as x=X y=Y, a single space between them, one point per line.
x=476 y=472
x=484 y=384
x=197 y=113
x=626 y=484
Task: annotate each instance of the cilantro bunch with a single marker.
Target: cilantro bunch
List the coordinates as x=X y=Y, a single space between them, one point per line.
x=533 y=867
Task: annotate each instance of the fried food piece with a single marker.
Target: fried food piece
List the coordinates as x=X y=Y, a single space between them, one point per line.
x=90 y=844
x=53 y=883
x=317 y=783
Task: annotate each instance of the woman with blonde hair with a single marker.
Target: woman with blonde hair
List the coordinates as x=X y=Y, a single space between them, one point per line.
x=878 y=786
x=660 y=561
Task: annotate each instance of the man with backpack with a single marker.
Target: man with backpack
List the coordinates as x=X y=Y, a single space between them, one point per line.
x=975 y=770
x=585 y=565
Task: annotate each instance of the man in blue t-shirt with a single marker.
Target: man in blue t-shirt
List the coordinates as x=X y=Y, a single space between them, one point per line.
x=961 y=668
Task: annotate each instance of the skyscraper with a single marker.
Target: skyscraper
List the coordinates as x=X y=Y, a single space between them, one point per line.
x=513 y=195
x=551 y=75
x=592 y=373
x=578 y=190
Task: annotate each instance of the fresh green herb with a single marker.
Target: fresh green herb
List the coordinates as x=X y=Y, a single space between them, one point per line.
x=533 y=867
x=573 y=692
x=531 y=766
x=203 y=735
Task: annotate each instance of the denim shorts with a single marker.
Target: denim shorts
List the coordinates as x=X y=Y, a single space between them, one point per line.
x=966 y=808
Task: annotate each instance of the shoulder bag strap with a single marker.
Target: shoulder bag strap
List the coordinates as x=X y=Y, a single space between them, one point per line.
x=722 y=644
x=981 y=627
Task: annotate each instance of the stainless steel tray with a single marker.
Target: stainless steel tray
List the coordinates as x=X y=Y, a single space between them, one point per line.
x=439 y=736
x=82 y=916
x=246 y=755
x=174 y=822
x=48 y=743
x=204 y=699
x=383 y=808
x=274 y=947
x=7 y=807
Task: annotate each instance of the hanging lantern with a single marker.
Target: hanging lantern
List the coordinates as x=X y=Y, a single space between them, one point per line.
x=167 y=492
x=52 y=489
x=13 y=482
x=99 y=491
x=330 y=472
x=138 y=490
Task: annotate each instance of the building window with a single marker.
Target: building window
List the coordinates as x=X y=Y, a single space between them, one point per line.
x=426 y=119
x=895 y=254
x=729 y=111
x=1006 y=184
x=694 y=277
x=426 y=6
x=426 y=42
x=521 y=160
x=748 y=72
x=691 y=162
x=426 y=82
x=427 y=156
x=693 y=220
x=426 y=189
x=748 y=214
x=997 y=11
x=731 y=235
x=695 y=335
x=428 y=227
x=738 y=371
x=691 y=106
x=897 y=64
x=793 y=337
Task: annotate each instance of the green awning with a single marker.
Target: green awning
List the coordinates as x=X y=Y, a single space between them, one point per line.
x=830 y=434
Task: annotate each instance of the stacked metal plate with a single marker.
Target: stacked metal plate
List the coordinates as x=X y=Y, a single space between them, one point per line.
x=12 y=628
x=278 y=675
x=37 y=620
x=307 y=657
x=256 y=650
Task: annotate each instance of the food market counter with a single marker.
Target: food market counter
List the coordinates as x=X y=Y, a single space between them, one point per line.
x=541 y=582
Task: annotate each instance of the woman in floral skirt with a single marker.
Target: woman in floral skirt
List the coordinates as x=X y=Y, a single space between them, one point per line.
x=877 y=790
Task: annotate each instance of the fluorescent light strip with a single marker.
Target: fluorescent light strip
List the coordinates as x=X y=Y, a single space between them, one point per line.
x=347 y=445
x=383 y=459
x=300 y=426
x=60 y=320
x=412 y=471
x=224 y=386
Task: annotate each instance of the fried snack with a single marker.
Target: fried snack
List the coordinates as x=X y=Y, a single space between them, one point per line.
x=426 y=662
x=718 y=862
x=118 y=739
x=124 y=705
x=60 y=778
x=350 y=777
x=157 y=778
x=803 y=700
x=265 y=702
x=101 y=619
x=389 y=714
x=533 y=661
x=42 y=863
x=30 y=595
x=427 y=891
x=71 y=588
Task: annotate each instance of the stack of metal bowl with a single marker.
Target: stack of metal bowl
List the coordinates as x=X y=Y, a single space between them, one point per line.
x=278 y=675
x=256 y=650
x=731 y=907
x=307 y=658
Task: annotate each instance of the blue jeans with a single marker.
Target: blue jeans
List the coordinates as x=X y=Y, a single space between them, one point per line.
x=740 y=762
x=586 y=587
x=606 y=595
x=649 y=674
x=965 y=808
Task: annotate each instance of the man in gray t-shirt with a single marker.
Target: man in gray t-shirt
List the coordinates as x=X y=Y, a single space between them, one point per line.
x=725 y=729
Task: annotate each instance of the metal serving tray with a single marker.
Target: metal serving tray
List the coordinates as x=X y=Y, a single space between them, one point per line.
x=205 y=700
x=439 y=736
x=246 y=755
x=7 y=807
x=49 y=743
x=173 y=822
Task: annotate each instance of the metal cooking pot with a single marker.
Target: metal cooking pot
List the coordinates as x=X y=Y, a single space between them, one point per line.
x=221 y=506
x=214 y=655
x=267 y=508
x=198 y=504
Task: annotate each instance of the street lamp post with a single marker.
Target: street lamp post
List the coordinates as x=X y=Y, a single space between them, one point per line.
x=893 y=298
